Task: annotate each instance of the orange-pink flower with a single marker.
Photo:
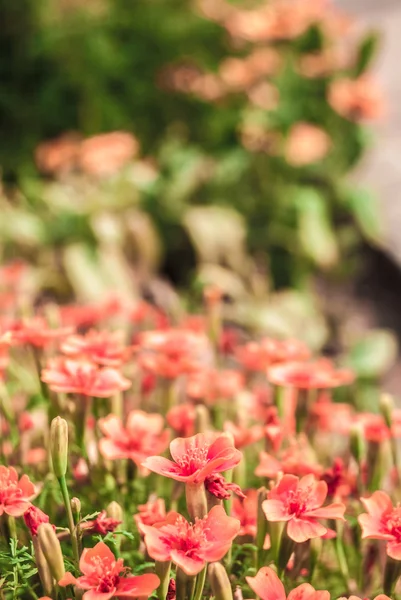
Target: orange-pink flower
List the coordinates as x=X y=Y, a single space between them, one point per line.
x=154 y=511
x=191 y=545
x=83 y=377
x=309 y=375
x=172 y=352
x=101 y=347
x=306 y=144
x=196 y=458
x=382 y=522
x=182 y=419
x=143 y=436
x=15 y=494
x=246 y=511
x=296 y=459
x=103 y=577
x=34 y=332
x=298 y=502
x=102 y=524
x=356 y=99
x=244 y=435
x=258 y=356
x=267 y=585
x=105 y=154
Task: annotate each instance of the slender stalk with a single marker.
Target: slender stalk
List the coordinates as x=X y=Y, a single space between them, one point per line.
x=71 y=524
x=200 y=584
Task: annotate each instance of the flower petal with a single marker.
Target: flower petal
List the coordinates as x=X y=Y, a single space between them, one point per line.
x=267 y=585
x=301 y=530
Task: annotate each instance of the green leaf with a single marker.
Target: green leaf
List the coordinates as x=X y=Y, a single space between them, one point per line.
x=365 y=210
x=373 y=355
x=315 y=230
x=366 y=52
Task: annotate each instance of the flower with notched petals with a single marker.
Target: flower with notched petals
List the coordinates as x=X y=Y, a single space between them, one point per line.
x=103 y=577
x=268 y=586
x=143 y=436
x=191 y=545
x=15 y=494
x=83 y=377
x=298 y=502
x=196 y=457
x=382 y=522
x=100 y=347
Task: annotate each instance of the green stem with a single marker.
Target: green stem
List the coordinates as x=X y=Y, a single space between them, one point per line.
x=200 y=584
x=71 y=524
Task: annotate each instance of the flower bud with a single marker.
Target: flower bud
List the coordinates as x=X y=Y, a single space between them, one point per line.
x=195 y=495
x=76 y=508
x=44 y=572
x=59 y=446
x=386 y=408
x=219 y=582
x=163 y=572
x=51 y=548
x=357 y=442
x=114 y=511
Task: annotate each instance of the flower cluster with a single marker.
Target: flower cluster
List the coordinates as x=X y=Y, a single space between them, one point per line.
x=225 y=464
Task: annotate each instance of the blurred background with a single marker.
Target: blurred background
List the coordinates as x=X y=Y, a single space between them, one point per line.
x=152 y=147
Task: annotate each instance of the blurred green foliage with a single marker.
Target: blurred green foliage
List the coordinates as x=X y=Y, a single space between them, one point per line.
x=100 y=65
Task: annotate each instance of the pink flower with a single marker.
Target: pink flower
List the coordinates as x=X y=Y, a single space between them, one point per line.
x=299 y=503
x=83 y=377
x=154 y=511
x=268 y=586
x=382 y=522
x=244 y=435
x=35 y=332
x=196 y=458
x=100 y=347
x=306 y=144
x=142 y=437
x=314 y=375
x=15 y=495
x=102 y=524
x=356 y=99
x=102 y=577
x=188 y=545
x=34 y=517
x=246 y=511
x=105 y=154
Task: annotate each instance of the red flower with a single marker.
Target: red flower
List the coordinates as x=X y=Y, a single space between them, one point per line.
x=101 y=347
x=102 y=577
x=15 y=495
x=83 y=377
x=154 y=511
x=268 y=586
x=299 y=503
x=34 y=517
x=382 y=522
x=143 y=436
x=35 y=332
x=196 y=458
x=315 y=375
x=188 y=545
x=102 y=524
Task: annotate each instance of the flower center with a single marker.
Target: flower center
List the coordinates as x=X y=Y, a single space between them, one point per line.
x=193 y=459
x=297 y=502
x=393 y=523
x=185 y=536
x=9 y=492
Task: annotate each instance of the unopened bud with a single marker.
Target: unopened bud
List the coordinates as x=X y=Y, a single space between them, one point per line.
x=44 y=572
x=163 y=572
x=76 y=508
x=59 y=446
x=357 y=442
x=114 y=511
x=219 y=582
x=195 y=494
x=386 y=408
x=261 y=519
x=51 y=548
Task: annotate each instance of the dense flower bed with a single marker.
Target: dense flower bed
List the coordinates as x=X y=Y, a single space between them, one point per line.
x=143 y=454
